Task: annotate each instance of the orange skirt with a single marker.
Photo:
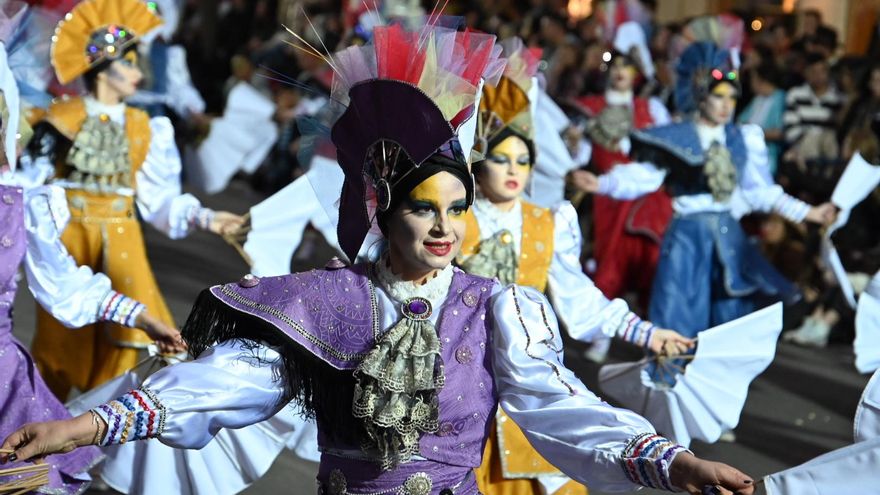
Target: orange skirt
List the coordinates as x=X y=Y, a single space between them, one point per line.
x=103 y=234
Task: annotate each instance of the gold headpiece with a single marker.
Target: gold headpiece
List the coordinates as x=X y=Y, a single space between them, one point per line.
x=95 y=31
x=506 y=105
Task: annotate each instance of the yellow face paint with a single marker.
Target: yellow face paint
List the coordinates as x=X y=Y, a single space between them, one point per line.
x=725 y=91
x=434 y=194
x=131 y=56
x=511 y=150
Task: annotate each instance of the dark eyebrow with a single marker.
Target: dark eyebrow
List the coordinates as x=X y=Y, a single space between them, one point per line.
x=461 y=203
x=419 y=203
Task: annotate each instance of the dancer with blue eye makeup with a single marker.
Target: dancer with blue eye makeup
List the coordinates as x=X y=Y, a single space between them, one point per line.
x=115 y=164
x=403 y=361
x=515 y=241
x=709 y=273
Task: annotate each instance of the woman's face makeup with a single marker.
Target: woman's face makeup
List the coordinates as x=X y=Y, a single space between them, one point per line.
x=427 y=229
x=505 y=171
x=621 y=75
x=719 y=106
x=123 y=76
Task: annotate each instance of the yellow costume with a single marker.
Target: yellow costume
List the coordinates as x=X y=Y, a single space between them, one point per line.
x=110 y=159
x=510 y=464
x=104 y=234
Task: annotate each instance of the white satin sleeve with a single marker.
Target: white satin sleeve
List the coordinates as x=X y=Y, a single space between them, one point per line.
x=183 y=97
x=160 y=199
x=756 y=186
x=631 y=180
x=592 y=442
x=75 y=295
x=231 y=385
x=659 y=113
x=582 y=308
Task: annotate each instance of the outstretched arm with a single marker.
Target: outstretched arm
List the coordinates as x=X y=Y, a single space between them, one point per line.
x=583 y=309
x=623 y=182
x=590 y=441
x=160 y=198
x=75 y=295
x=231 y=385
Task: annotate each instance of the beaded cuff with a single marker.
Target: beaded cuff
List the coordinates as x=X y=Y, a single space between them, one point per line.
x=646 y=460
x=635 y=330
x=136 y=415
x=199 y=217
x=120 y=309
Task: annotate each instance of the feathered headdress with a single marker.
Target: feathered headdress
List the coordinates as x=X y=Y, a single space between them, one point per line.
x=506 y=107
x=406 y=98
x=702 y=65
x=96 y=31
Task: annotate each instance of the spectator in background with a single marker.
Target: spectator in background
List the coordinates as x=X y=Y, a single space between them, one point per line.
x=864 y=113
x=810 y=25
x=553 y=33
x=766 y=109
x=847 y=77
x=823 y=43
x=811 y=109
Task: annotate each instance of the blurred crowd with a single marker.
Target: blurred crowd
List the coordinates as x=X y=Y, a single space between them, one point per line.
x=816 y=104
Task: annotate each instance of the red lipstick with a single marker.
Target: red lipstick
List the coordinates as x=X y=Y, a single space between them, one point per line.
x=438 y=248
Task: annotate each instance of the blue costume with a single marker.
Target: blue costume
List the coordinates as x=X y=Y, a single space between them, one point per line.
x=709 y=272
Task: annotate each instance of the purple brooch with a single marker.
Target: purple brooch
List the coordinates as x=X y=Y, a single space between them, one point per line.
x=417 y=308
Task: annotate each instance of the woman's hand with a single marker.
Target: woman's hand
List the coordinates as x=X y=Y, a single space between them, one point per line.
x=167 y=338
x=37 y=440
x=670 y=343
x=698 y=477
x=224 y=222
x=824 y=214
x=584 y=181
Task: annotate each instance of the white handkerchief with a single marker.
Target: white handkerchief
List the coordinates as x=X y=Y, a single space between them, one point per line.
x=857 y=181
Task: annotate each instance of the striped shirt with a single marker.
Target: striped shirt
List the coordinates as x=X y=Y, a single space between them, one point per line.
x=805 y=111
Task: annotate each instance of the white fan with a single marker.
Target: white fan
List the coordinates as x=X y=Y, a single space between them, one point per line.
x=708 y=396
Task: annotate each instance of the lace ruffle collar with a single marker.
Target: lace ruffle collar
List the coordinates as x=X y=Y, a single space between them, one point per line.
x=487 y=213
x=434 y=290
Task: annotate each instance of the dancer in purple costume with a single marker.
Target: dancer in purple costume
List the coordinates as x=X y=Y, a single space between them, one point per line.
x=23 y=394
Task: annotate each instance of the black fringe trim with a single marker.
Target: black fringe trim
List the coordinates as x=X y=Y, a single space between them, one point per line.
x=315 y=388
